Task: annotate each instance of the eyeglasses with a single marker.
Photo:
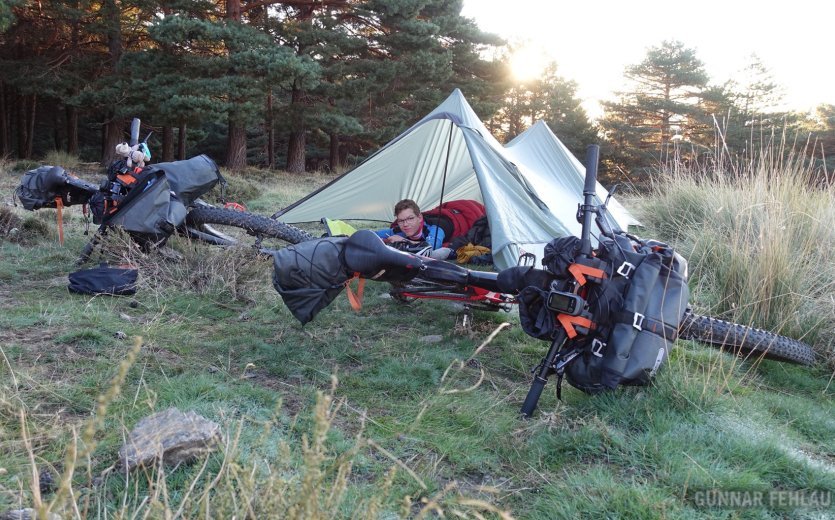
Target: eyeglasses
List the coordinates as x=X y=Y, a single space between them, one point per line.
x=407 y=220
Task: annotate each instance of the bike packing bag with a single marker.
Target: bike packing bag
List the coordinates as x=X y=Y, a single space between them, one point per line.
x=114 y=281
x=190 y=178
x=309 y=275
x=34 y=192
x=150 y=208
x=638 y=311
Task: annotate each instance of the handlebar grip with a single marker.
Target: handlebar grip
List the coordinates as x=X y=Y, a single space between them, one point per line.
x=134 y=131
x=592 y=158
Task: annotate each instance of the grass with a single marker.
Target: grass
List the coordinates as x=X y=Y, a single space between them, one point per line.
x=760 y=240
x=360 y=414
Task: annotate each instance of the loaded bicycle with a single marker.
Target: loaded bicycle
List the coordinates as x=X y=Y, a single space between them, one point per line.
x=153 y=202
x=610 y=313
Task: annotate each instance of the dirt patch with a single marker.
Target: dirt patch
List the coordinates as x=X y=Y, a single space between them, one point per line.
x=7 y=300
x=289 y=391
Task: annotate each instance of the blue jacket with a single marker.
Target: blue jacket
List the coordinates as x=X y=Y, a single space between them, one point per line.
x=430 y=234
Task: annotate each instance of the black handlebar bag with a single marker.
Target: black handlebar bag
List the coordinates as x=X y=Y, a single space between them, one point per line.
x=35 y=190
x=644 y=303
x=309 y=275
x=190 y=178
x=116 y=281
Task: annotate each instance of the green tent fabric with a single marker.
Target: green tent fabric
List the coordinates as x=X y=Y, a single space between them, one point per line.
x=449 y=155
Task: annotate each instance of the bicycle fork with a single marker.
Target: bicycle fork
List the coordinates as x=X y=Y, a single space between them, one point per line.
x=553 y=363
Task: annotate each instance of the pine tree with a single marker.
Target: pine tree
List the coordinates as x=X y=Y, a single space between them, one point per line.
x=550 y=98
x=663 y=102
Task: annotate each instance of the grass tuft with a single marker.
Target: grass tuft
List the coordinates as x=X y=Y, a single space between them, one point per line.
x=69 y=162
x=760 y=238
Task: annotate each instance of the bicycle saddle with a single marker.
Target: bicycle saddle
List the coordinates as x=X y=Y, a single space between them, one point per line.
x=367 y=254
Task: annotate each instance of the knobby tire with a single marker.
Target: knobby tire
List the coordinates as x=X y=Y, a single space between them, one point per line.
x=256 y=225
x=747 y=340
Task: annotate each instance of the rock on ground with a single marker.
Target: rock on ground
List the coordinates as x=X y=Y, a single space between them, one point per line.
x=171 y=435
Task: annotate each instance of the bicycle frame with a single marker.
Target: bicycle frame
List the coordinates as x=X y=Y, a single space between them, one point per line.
x=471 y=296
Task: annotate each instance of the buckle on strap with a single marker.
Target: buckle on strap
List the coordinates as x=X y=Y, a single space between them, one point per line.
x=626 y=269
x=638 y=320
x=597 y=347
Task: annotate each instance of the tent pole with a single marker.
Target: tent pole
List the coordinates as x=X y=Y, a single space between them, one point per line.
x=443 y=182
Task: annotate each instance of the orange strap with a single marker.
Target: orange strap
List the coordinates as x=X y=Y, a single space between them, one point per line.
x=59 y=205
x=578 y=271
x=355 y=299
x=568 y=322
x=126 y=179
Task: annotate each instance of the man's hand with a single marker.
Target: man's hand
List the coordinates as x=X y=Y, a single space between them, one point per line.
x=395 y=238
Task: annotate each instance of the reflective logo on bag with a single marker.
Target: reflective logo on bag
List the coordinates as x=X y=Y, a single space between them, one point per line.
x=658 y=360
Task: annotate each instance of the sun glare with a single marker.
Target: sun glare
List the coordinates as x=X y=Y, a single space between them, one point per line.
x=528 y=63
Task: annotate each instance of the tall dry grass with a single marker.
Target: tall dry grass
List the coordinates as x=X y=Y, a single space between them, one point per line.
x=759 y=232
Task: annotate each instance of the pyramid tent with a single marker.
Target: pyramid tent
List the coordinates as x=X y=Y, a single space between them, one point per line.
x=449 y=155
x=558 y=177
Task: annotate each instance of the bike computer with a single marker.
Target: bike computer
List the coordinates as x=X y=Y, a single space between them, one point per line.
x=564 y=303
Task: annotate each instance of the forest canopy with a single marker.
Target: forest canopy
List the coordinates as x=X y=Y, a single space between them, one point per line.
x=309 y=85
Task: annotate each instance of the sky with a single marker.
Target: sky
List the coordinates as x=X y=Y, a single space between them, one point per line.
x=593 y=41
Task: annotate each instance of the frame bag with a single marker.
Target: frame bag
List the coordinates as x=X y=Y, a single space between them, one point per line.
x=150 y=210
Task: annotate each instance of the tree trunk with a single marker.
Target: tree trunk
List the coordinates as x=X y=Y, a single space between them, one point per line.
x=335 y=165
x=236 y=139
x=114 y=31
x=236 y=146
x=56 y=130
x=233 y=10
x=295 y=147
x=31 y=124
x=295 y=152
x=167 y=143
x=5 y=145
x=25 y=125
x=20 y=117
x=112 y=137
x=181 y=142
x=269 y=123
x=72 y=129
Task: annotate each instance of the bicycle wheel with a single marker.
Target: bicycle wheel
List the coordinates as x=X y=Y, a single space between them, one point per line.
x=227 y=227
x=747 y=340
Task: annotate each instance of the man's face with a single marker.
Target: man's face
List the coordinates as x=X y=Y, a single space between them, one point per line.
x=409 y=222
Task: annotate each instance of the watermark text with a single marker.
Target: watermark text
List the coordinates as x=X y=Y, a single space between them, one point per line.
x=772 y=499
